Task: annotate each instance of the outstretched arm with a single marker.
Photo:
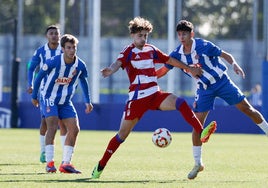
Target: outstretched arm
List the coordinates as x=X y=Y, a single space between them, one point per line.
x=195 y=71
x=230 y=59
x=107 y=71
x=162 y=71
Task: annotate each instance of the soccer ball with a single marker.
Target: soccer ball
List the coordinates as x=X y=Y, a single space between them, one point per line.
x=161 y=137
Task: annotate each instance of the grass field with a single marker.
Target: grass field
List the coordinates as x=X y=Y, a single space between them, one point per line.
x=232 y=160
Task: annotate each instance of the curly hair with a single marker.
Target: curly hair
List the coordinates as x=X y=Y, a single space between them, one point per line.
x=138 y=24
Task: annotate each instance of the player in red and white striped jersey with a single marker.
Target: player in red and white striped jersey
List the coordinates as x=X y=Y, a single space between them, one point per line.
x=139 y=59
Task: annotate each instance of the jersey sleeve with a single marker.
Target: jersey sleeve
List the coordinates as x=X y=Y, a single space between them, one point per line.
x=84 y=83
x=35 y=61
x=85 y=89
x=159 y=56
x=125 y=56
x=210 y=49
x=41 y=74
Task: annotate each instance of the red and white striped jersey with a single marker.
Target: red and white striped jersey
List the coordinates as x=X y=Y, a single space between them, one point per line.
x=140 y=67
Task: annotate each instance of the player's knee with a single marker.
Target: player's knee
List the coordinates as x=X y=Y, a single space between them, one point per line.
x=179 y=102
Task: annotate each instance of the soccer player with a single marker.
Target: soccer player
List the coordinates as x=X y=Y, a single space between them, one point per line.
x=63 y=73
x=214 y=82
x=138 y=59
x=43 y=53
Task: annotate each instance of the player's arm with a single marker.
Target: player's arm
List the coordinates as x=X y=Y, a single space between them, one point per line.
x=85 y=89
x=195 y=71
x=230 y=59
x=111 y=69
x=162 y=71
x=31 y=69
x=41 y=74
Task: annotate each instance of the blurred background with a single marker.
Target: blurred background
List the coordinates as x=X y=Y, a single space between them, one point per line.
x=237 y=26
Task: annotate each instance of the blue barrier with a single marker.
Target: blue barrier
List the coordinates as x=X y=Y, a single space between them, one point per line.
x=108 y=116
x=265 y=89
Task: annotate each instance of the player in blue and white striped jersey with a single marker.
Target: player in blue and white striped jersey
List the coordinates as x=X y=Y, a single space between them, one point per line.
x=63 y=74
x=213 y=83
x=43 y=53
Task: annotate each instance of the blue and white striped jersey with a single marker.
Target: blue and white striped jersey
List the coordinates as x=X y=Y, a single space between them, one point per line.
x=62 y=80
x=205 y=54
x=40 y=56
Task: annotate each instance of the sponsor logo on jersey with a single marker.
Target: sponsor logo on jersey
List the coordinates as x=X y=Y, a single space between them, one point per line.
x=137 y=56
x=63 y=80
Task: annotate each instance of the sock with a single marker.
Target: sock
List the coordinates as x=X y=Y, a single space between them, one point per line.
x=197 y=153
x=111 y=148
x=264 y=126
x=49 y=153
x=62 y=140
x=67 y=154
x=188 y=114
x=42 y=143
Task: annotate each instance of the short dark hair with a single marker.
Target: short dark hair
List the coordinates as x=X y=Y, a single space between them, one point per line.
x=184 y=25
x=68 y=38
x=52 y=27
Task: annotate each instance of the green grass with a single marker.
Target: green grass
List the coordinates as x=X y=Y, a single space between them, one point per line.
x=232 y=160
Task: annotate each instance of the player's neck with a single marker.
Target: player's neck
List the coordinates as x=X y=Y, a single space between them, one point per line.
x=187 y=47
x=53 y=46
x=69 y=60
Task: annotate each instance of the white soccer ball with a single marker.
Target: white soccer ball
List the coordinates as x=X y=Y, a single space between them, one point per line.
x=161 y=137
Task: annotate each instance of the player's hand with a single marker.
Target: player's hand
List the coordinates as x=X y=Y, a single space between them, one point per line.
x=196 y=72
x=35 y=102
x=89 y=108
x=238 y=70
x=106 y=72
x=30 y=90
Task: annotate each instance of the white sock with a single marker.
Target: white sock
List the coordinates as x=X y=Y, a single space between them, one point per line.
x=42 y=143
x=50 y=153
x=264 y=126
x=62 y=140
x=67 y=154
x=197 y=153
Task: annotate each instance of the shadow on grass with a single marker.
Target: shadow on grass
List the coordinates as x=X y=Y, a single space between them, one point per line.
x=93 y=181
x=19 y=164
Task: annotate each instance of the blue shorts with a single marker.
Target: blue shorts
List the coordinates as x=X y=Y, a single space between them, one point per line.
x=224 y=88
x=62 y=111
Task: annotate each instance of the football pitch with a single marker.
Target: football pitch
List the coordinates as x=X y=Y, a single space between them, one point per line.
x=231 y=160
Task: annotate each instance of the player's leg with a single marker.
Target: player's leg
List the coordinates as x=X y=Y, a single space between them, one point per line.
x=42 y=131
x=52 y=126
x=204 y=101
x=173 y=102
x=234 y=96
x=245 y=107
x=125 y=128
x=197 y=148
x=69 y=120
x=63 y=132
x=180 y=104
x=133 y=111
x=72 y=132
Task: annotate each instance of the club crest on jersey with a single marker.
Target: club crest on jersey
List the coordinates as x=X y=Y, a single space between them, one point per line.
x=44 y=67
x=63 y=80
x=74 y=72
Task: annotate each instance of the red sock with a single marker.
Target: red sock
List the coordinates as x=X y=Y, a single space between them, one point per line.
x=111 y=148
x=188 y=115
